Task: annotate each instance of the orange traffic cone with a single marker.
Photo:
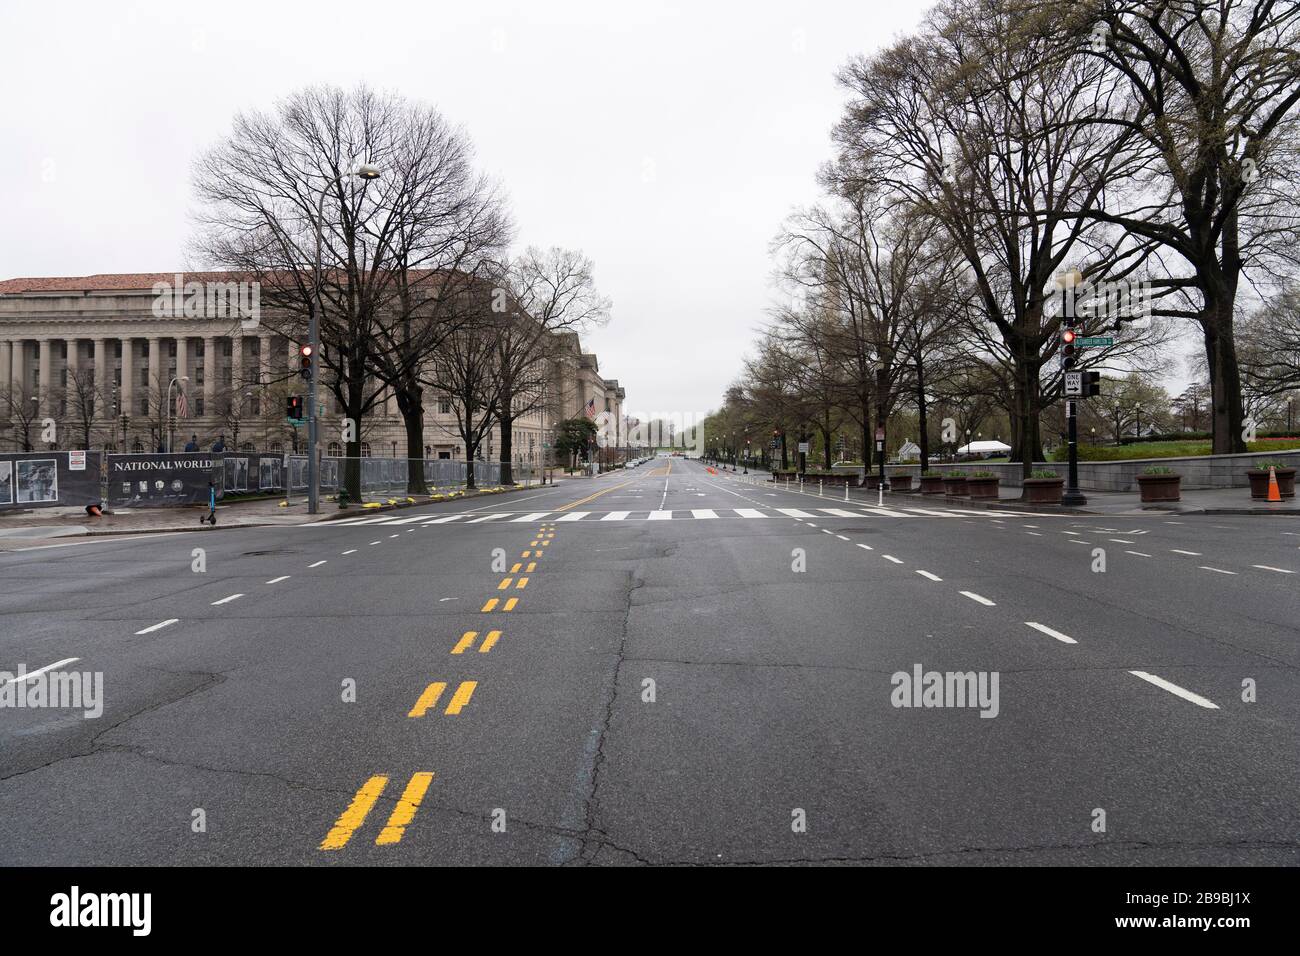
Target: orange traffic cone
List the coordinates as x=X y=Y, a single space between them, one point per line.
x=1274 y=492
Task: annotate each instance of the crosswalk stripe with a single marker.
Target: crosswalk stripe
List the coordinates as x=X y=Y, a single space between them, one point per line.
x=888 y=513
x=535 y=516
x=704 y=513
x=410 y=520
x=794 y=513
x=445 y=519
x=750 y=513
x=930 y=512
x=661 y=515
x=575 y=516
x=616 y=516
x=840 y=512
x=486 y=518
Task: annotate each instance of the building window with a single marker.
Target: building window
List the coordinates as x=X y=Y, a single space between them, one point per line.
x=334 y=450
x=444 y=406
x=277 y=448
x=365 y=449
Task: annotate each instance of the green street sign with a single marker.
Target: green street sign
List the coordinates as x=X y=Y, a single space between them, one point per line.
x=1095 y=341
x=295 y=422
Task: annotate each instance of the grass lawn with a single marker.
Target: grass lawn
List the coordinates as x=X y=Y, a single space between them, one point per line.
x=1165 y=449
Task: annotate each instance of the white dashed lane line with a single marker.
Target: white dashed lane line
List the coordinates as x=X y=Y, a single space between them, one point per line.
x=351 y=551
x=1140 y=554
x=228 y=599
x=977 y=598
x=1192 y=554
x=1063 y=638
x=283 y=577
x=316 y=565
x=159 y=626
x=927 y=574
x=890 y=557
x=1265 y=567
x=1177 y=691
x=1206 y=567
x=40 y=670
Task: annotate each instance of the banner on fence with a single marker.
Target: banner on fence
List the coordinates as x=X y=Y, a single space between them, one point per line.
x=45 y=479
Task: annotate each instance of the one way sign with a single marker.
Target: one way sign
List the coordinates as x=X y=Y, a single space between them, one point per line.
x=1073 y=383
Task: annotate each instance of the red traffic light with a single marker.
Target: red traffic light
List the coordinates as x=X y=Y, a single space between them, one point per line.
x=1068 y=336
x=306 y=351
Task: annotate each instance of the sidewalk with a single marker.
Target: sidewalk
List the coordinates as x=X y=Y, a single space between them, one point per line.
x=35 y=527
x=1209 y=501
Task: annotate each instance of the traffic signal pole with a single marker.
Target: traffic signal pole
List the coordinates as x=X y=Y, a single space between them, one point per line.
x=1071 y=496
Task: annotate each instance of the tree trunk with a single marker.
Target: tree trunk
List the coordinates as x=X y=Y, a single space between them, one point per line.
x=1227 y=417
x=1027 y=445
x=785 y=452
x=922 y=418
x=507 y=421
x=410 y=403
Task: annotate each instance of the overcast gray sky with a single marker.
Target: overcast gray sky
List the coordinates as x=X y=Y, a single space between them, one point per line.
x=666 y=140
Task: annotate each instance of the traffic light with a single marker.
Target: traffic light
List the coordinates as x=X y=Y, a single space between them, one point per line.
x=305 y=352
x=1091 y=384
x=294 y=407
x=1068 y=335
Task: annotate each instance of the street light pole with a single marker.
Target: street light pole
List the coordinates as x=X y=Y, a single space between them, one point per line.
x=361 y=171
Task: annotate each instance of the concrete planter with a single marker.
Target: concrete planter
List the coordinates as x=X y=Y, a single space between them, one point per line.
x=954 y=487
x=982 y=487
x=1259 y=482
x=932 y=485
x=1160 y=487
x=872 y=482
x=900 y=482
x=1043 y=491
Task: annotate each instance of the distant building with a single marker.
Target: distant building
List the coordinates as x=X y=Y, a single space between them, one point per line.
x=95 y=347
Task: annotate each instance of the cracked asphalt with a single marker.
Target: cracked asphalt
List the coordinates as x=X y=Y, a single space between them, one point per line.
x=710 y=687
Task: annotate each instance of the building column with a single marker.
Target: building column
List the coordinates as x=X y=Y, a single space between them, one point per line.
x=209 y=376
x=183 y=371
x=46 y=395
x=126 y=393
x=237 y=388
x=156 y=383
x=6 y=375
x=102 y=410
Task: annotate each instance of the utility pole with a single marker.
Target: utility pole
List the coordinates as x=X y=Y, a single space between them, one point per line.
x=1071 y=496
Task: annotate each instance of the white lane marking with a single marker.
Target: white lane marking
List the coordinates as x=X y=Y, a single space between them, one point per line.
x=491 y=517
x=227 y=600
x=1182 y=692
x=927 y=574
x=976 y=597
x=749 y=513
x=1175 y=522
x=1031 y=526
x=1194 y=554
x=886 y=512
x=827 y=531
x=703 y=513
x=1079 y=541
x=890 y=557
x=840 y=513
x=616 y=516
x=661 y=515
x=929 y=511
x=1121 y=541
x=410 y=520
x=445 y=519
x=1070 y=532
x=283 y=577
x=1206 y=567
x=1140 y=554
x=1036 y=534
x=319 y=563
x=159 y=626
x=842 y=537
x=394 y=536
x=41 y=670
x=794 y=513
x=866 y=547
x=1063 y=638
x=350 y=551
x=574 y=516
x=535 y=516
x=1265 y=567
x=373 y=543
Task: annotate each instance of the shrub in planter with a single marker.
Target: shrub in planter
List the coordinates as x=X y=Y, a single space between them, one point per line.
x=901 y=481
x=1043 y=488
x=954 y=483
x=932 y=483
x=1259 y=479
x=1158 y=483
x=982 y=484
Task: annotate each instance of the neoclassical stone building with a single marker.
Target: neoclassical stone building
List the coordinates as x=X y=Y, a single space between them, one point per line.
x=93 y=354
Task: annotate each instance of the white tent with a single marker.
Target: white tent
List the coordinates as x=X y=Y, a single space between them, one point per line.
x=984 y=448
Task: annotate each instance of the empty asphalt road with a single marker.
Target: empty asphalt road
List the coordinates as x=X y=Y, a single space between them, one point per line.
x=663 y=665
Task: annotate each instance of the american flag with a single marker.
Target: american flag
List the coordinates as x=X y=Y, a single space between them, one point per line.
x=182 y=404
x=590 y=410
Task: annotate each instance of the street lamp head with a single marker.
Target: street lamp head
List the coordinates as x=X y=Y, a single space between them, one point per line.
x=365 y=171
